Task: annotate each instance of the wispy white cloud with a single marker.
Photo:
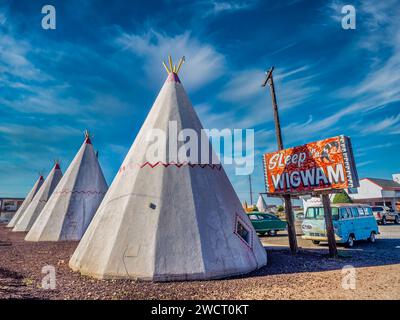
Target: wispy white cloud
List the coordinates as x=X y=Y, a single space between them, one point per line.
x=14 y=62
x=360 y=152
x=376 y=146
x=318 y=128
x=218 y=7
x=14 y=132
x=378 y=87
x=295 y=86
x=389 y=125
x=244 y=85
x=36 y=91
x=252 y=102
x=34 y=148
x=206 y=63
x=364 y=163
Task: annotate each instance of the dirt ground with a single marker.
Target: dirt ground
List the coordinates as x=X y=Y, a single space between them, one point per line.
x=309 y=275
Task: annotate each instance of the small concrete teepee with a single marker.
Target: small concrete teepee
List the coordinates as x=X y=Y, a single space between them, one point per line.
x=26 y=202
x=261 y=204
x=39 y=201
x=169 y=220
x=75 y=200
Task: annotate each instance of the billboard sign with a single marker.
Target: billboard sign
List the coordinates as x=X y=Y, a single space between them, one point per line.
x=315 y=166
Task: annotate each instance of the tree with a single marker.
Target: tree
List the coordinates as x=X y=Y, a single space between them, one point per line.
x=342 y=197
x=281 y=209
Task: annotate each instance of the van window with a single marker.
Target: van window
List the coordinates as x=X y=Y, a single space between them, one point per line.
x=361 y=212
x=317 y=213
x=355 y=212
x=368 y=211
x=343 y=213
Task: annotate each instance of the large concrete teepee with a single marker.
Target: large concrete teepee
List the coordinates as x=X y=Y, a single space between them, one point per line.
x=168 y=220
x=39 y=201
x=75 y=200
x=26 y=202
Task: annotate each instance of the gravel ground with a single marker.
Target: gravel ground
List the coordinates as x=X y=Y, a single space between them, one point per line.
x=309 y=275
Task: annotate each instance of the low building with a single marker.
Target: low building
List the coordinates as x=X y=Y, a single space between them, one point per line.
x=379 y=192
x=372 y=191
x=8 y=207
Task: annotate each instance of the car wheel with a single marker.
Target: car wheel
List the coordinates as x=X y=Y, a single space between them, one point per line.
x=383 y=221
x=261 y=233
x=272 y=233
x=372 y=237
x=315 y=242
x=350 y=242
x=397 y=220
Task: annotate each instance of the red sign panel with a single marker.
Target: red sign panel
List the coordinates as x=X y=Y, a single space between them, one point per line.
x=325 y=164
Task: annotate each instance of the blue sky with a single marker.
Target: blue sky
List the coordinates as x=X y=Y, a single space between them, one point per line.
x=101 y=69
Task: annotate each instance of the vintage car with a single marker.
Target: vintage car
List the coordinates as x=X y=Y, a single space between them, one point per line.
x=266 y=223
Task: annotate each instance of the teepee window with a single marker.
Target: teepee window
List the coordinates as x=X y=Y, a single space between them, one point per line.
x=243 y=232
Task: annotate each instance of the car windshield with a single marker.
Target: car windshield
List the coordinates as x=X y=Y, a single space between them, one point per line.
x=317 y=213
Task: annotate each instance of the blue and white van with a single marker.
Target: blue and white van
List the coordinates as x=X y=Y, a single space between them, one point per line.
x=351 y=222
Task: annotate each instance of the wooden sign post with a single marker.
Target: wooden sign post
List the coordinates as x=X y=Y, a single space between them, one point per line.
x=330 y=232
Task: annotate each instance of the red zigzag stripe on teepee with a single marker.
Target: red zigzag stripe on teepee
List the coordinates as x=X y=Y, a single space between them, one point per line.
x=64 y=192
x=178 y=165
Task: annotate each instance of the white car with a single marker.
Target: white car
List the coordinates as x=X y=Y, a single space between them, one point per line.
x=384 y=214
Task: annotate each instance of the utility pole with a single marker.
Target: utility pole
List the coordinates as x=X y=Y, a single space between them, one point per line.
x=286 y=197
x=251 y=191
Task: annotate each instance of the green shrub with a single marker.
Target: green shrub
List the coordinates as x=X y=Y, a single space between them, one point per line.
x=342 y=197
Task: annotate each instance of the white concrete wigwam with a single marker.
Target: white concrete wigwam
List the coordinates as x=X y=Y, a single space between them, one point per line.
x=75 y=200
x=26 y=202
x=39 y=201
x=167 y=221
x=261 y=204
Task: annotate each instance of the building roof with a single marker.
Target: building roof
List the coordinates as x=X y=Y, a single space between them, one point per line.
x=385 y=184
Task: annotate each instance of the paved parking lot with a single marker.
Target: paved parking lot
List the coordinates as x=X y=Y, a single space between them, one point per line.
x=386 y=247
